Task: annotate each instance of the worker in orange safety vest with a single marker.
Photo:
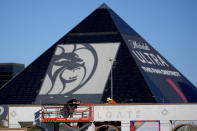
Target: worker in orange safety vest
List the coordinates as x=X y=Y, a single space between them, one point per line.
x=110 y=101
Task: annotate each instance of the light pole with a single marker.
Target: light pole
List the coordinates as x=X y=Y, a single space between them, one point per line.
x=112 y=61
x=161 y=98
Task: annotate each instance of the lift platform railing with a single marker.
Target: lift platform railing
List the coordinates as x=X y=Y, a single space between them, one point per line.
x=67 y=113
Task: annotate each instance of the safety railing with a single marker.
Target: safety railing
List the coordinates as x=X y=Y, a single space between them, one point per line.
x=67 y=113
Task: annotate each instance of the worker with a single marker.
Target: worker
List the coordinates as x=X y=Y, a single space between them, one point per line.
x=69 y=107
x=110 y=101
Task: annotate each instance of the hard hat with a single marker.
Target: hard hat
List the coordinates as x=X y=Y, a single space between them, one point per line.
x=108 y=99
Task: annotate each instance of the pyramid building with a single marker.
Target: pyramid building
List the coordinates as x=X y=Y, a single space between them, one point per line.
x=100 y=57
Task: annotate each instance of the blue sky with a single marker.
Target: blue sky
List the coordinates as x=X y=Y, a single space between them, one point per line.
x=29 y=27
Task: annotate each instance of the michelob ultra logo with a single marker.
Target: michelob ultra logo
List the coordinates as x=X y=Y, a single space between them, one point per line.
x=151 y=59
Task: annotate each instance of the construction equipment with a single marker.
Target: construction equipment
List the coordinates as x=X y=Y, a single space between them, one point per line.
x=58 y=113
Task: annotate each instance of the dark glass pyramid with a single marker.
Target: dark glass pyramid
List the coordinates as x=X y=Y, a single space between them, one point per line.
x=100 y=51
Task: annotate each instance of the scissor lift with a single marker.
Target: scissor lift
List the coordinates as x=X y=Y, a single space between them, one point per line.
x=59 y=113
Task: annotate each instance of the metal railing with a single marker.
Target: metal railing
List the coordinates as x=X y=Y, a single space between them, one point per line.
x=67 y=113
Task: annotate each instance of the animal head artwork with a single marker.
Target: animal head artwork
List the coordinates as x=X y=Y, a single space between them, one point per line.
x=72 y=67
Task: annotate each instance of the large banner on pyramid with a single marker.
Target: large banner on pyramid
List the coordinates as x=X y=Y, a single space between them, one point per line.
x=166 y=82
x=77 y=71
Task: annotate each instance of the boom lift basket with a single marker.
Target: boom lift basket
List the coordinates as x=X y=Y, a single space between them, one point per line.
x=65 y=113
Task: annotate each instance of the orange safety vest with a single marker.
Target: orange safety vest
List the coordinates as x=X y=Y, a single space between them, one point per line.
x=112 y=101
